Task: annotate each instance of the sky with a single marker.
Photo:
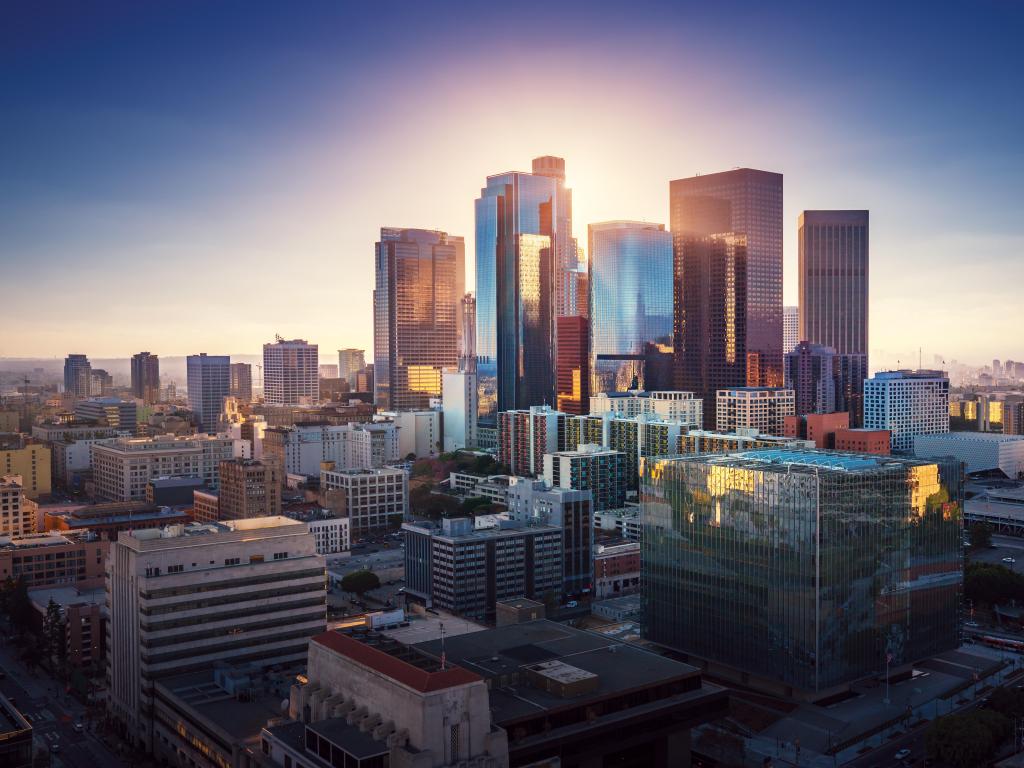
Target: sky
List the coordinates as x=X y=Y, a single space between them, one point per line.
x=187 y=176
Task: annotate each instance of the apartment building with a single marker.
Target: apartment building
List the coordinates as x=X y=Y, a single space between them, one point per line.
x=762 y=408
x=301 y=449
x=373 y=500
x=17 y=512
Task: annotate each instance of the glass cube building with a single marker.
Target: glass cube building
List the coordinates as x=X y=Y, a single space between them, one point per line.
x=802 y=568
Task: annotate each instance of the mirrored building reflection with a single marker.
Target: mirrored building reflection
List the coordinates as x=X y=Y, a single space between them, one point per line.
x=630 y=306
x=799 y=570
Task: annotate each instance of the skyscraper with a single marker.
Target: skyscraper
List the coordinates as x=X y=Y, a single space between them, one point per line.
x=790 y=328
x=77 y=375
x=290 y=372
x=710 y=326
x=523 y=235
x=467 y=341
x=572 y=366
x=241 y=381
x=416 y=306
x=744 y=202
x=630 y=306
x=813 y=375
x=350 y=363
x=146 y=377
x=209 y=382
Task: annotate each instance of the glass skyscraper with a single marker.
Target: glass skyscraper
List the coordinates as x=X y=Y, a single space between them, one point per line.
x=802 y=568
x=630 y=306
x=416 y=315
x=523 y=242
x=744 y=202
x=209 y=382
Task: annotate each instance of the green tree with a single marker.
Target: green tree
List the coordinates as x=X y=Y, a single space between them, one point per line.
x=990 y=584
x=967 y=740
x=360 y=582
x=1008 y=701
x=981 y=536
x=53 y=640
x=475 y=505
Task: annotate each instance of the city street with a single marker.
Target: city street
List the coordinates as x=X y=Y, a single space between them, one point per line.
x=53 y=714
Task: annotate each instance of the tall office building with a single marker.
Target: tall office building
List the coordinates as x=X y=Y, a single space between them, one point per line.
x=710 y=316
x=241 y=382
x=907 y=403
x=631 y=299
x=209 y=382
x=146 y=377
x=523 y=235
x=467 y=341
x=290 y=375
x=120 y=415
x=790 y=328
x=419 y=286
x=834 y=277
x=187 y=597
x=350 y=363
x=865 y=564
x=77 y=375
x=813 y=375
x=745 y=202
x=572 y=364
x=564 y=250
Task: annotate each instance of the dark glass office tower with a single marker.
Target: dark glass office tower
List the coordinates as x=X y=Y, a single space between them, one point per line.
x=711 y=322
x=523 y=224
x=77 y=374
x=744 y=202
x=630 y=306
x=833 y=268
x=416 y=315
x=146 y=377
x=804 y=569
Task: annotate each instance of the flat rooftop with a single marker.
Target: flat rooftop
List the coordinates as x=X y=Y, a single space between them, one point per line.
x=67 y=595
x=970 y=437
x=504 y=651
x=784 y=459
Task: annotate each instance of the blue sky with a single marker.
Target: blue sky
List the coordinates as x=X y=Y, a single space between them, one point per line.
x=199 y=176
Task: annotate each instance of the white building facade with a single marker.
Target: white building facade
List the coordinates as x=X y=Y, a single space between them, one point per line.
x=979 y=451
x=458 y=398
x=762 y=408
x=684 y=407
x=907 y=403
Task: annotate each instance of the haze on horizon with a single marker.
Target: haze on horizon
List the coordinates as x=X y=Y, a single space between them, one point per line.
x=199 y=177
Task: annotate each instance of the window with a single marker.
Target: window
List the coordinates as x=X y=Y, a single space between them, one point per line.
x=175 y=568
x=232 y=561
x=280 y=555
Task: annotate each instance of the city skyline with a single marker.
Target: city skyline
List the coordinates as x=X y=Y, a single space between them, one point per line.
x=151 y=177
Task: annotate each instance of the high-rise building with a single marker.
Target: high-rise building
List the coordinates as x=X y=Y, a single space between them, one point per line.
x=672 y=405
x=813 y=375
x=790 y=328
x=249 y=489
x=762 y=408
x=328 y=371
x=711 y=320
x=564 y=250
x=745 y=202
x=350 y=363
x=209 y=382
x=146 y=377
x=524 y=436
x=187 y=597
x=458 y=568
x=467 y=338
x=523 y=241
x=240 y=386
x=907 y=403
x=572 y=364
x=101 y=383
x=572 y=510
x=865 y=565
x=416 y=315
x=17 y=512
x=31 y=459
x=290 y=374
x=590 y=467
x=77 y=375
x=834 y=278
x=458 y=405
x=119 y=415
x=631 y=300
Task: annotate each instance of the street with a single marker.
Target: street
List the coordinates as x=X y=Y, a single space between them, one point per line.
x=53 y=714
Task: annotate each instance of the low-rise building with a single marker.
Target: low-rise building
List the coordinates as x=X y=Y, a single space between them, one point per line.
x=172 y=491
x=120 y=415
x=301 y=449
x=979 y=451
x=332 y=532
x=704 y=441
x=107 y=520
x=616 y=570
x=122 y=467
x=373 y=500
x=51 y=559
x=818 y=428
x=15 y=736
x=624 y=522
x=419 y=432
x=17 y=511
x=493 y=487
x=205 y=506
x=24 y=456
x=183 y=598
x=863 y=441
x=249 y=488
x=82 y=610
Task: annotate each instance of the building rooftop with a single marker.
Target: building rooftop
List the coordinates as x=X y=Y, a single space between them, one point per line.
x=176 y=533
x=501 y=654
x=86 y=517
x=782 y=459
x=176 y=482
x=971 y=437
x=64 y=596
x=50 y=539
x=11 y=720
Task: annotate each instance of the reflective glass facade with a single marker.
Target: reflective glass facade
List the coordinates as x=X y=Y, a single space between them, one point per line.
x=746 y=202
x=805 y=568
x=630 y=306
x=416 y=315
x=521 y=226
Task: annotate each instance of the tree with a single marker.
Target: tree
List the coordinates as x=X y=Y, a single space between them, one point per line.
x=360 y=582
x=54 y=643
x=989 y=584
x=981 y=536
x=1008 y=701
x=967 y=740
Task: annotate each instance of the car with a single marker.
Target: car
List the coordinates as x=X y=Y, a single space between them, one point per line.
x=971 y=623
x=902 y=754
x=55 y=747
x=77 y=727
x=1009 y=560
